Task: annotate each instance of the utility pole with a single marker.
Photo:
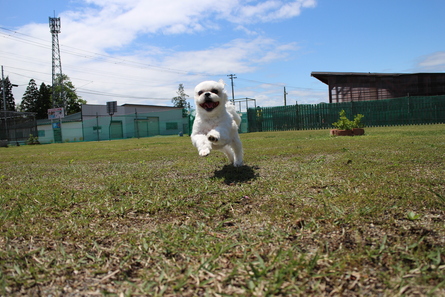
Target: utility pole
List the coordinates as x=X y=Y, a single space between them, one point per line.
x=285 y=93
x=4 y=106
x=232 y=76
x=4 y=92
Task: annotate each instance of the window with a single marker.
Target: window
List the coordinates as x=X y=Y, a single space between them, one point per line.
x=172 y=126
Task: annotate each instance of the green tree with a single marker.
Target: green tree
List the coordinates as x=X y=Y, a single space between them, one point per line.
x=67 y=91
x=10 y=102
x=43 y=101
x=181 y=99
x=30 y=97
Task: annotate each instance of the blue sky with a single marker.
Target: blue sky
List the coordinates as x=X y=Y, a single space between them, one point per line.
x=139 y=51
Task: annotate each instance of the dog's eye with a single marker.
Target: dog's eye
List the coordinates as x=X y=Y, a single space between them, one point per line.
x=215 y=91
x=200 y=93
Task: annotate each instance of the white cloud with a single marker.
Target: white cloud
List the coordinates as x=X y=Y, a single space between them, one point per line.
x=246 y=30
x=272 y=10
x=104 y=46
x=116 y=22
x=239 y=55
x=433 y=62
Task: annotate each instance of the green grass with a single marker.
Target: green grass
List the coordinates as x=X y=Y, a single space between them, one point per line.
x=309 y=215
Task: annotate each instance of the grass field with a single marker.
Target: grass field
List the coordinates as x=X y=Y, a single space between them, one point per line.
x=309 y=215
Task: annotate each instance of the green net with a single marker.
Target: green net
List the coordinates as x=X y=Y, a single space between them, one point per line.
x=388 y=112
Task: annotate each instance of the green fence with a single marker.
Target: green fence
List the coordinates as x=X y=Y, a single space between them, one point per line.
x=389 y=112
x=243 y=128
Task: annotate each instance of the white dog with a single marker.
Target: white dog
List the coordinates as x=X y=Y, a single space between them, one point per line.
x=216 y=123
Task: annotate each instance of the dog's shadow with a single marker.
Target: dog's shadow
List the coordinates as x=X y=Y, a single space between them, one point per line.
x=234 y=175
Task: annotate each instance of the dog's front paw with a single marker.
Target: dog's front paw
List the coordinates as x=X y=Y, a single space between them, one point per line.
x=212 y=138
x=204 y=152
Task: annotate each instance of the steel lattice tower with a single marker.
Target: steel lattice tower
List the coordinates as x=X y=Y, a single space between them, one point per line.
x=57 y=78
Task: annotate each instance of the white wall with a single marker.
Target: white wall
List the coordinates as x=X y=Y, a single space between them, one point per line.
x=71 y=132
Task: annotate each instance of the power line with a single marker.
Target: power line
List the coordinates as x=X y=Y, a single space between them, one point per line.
x=278 y=84
x=30 y=40
x=129 y=63
x=93 y=55
x=92 y=92
x=109 y=59
x=133 y=80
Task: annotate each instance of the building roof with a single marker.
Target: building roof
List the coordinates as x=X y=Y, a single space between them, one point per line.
x=145 y=105
x=323 y=76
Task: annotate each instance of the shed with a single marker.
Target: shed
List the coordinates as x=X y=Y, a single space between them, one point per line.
x=66 y=129
x=357 y=86
x=94 y=123
x=131 y=120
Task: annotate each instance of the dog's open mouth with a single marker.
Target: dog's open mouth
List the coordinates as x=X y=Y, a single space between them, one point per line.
x=209 y=105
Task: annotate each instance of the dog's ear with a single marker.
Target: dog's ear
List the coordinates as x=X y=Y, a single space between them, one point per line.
x=224 y=95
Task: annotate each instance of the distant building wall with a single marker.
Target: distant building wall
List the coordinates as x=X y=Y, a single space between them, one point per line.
x=130 y=121
x=353 y=87
x=71 y=132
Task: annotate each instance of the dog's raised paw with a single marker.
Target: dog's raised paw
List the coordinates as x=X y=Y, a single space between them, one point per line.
x=212 y=138
x=204 y=152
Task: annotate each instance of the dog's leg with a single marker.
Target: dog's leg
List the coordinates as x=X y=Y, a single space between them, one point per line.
x=227 y=150
x=219 y=135
x=237 y=148
x=213 y=136
x=201 y=142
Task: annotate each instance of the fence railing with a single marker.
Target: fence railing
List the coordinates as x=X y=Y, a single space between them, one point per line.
x=17 y=126
x=388 y=112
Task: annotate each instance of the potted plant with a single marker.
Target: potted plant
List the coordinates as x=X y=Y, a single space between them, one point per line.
x=357 y=125
x=346 y=127
x=32 y=140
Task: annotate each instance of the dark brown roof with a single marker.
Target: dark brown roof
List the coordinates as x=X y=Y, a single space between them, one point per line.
x=323 y=76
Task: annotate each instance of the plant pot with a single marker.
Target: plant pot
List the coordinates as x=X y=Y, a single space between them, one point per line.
x=337 y=132
x=358 y=131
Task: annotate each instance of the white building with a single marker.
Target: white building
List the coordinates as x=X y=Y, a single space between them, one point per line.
x=94 y=123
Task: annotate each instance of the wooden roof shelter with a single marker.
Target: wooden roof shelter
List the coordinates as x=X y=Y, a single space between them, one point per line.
x=356 y=86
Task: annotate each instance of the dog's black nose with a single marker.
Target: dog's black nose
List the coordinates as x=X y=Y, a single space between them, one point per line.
x=207 y=94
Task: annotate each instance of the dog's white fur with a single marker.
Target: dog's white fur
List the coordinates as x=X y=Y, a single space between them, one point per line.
x=216 y=123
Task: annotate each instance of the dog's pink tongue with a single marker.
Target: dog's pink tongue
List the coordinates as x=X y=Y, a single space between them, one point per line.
x=209 y=105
